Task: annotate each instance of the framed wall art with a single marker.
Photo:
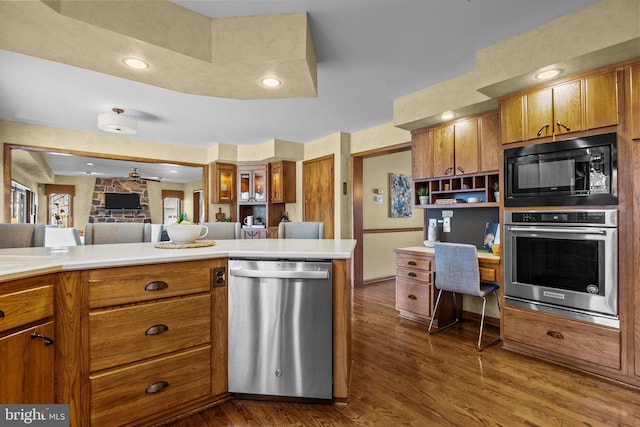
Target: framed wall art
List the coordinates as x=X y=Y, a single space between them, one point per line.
x=400 y=196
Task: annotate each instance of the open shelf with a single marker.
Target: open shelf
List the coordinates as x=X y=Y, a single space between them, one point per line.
x=454 y=192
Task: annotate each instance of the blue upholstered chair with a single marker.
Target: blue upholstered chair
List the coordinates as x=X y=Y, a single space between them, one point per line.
x=21 y=235
x=457 y=271
x=301 y=230
x=222 y=230
x=116 y=232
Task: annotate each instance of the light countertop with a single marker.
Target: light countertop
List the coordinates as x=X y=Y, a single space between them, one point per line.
x=423 y=249
x=26 y=262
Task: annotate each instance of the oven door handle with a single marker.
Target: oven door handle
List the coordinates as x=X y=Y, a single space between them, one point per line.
x=559 y=230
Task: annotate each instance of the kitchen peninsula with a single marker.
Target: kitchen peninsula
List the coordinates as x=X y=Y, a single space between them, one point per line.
x=140 y=333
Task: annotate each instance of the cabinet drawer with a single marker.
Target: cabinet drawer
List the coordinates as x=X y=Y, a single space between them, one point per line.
x=413 y=262
x=488 y=274
x=413 y=296
x=125 y=285
x=132 y=333
x=124 y=395
x=412 y=274
x=566 y=337
x=23 y=306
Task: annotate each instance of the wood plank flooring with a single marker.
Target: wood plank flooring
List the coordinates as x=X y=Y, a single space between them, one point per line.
x=403 y=376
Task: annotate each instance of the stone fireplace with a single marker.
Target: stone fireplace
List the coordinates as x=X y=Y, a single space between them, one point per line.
x=119 y=185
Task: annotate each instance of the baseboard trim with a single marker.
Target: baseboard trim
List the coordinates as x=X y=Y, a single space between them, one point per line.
x=377 y=280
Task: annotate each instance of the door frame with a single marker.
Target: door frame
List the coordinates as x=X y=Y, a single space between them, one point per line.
x=357 y=187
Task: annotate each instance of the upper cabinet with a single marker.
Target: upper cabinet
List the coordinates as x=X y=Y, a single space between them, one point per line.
x=634 y=84
x=253 y=184
x=582 y=104
x=223 y=186
x=283 y=182
x=465 y=147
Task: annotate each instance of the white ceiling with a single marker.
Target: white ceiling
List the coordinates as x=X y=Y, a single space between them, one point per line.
x=369 y=52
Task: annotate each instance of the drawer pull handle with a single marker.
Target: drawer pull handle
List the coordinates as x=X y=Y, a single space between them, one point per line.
x=555 y=334
x=47 y=341
x=156 y=329
x=157 y=387
x=1 y=313
x=158 y=285
x=412 y=274
x=412 y=263
x=411 y=296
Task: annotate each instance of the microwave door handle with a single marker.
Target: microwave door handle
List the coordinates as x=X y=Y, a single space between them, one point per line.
x=559 y=230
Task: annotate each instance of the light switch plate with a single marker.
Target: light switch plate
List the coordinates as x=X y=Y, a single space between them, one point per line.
x=447 y=214
x=446 y=225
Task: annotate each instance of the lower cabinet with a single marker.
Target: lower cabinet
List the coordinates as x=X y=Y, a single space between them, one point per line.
x=27 y=341
x=560 y=337
x=157 y=341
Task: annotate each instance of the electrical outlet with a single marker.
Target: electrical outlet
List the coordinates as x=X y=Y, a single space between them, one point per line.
x=446 y=225
x=433 y=222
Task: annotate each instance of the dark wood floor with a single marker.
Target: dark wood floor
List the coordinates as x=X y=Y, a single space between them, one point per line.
x=403 y=376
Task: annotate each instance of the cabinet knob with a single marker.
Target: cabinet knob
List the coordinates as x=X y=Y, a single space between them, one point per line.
x=156 y=329
x=156 y=286
x=555 y=334
x=157 y=387
x=1 y=313
x=47 y=341
x=411 y=296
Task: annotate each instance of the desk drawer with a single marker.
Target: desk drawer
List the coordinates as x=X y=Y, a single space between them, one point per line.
x=425 y=277
x=124 y=285
x=413 y=296
x=132 y=333
x=135 y=392
x=23 y=306
x=413 y=262
x=566 y=337
x=488 y=274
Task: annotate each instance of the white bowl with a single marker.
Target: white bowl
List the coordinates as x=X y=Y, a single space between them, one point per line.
x=473 y=199
x=186 y=233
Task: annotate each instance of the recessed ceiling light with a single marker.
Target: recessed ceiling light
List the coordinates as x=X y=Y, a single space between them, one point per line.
x=548 y=74
x=447 y=115
x=271 y=82
x=89 y=164
x=136 y=63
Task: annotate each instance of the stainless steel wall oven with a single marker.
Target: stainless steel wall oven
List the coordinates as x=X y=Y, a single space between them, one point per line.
x=563 y=262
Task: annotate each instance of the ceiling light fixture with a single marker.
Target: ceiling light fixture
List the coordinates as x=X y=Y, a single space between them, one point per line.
x=271 y=82
x=116 y=122
x=447 y=115
x=548 y=74
x=136 y=63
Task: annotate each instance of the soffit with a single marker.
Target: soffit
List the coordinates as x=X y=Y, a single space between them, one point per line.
x=188 y=52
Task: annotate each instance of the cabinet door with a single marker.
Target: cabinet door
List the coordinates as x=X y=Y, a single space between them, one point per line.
x=244 y=194
x=283 y=182
x=567 y=112
x=511 y=115
x=443 y=151
x=466 y=147
x=223 y=188
x=276 y=183
x=601 y=100
x=26 y=371
x=634 y=81
x=260 y=185
x=539 y=114
x=489 y=146
x=421 y=157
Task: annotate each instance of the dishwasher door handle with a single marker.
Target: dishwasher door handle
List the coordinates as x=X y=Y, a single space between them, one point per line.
x=272 y=274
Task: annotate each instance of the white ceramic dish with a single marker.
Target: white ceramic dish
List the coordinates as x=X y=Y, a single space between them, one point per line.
x=181 y=234
x=473 y=200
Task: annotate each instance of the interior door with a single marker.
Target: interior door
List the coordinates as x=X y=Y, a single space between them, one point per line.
x=318 y=192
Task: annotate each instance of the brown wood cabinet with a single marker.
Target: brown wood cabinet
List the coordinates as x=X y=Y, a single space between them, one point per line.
x=283 y=182
x=155 y=341
x=582 y=104
x=223 y=188
x=452 y=192
x=443 y=151
x=27 y=341
x=422 y=154
x=633 y=76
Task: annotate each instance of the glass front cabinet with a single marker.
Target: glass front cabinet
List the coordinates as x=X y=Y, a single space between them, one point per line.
x=253 y=184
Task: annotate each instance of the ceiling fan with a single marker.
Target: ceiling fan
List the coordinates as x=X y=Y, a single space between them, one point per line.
x=134 y=175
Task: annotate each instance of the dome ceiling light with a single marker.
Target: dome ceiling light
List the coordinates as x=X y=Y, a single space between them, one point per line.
x=117 y=122
x=548 y=74
x=447 y=115
x=135 y=63
x=271 y=82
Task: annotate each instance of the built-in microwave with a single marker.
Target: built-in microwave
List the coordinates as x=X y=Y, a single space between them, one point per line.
x=579 y=171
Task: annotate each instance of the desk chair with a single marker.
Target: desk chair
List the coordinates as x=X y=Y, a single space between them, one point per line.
x=21 y=235
x=116 y=232
x=457 y=271
x=222 y=230
x=301 y=230
x=67 y=236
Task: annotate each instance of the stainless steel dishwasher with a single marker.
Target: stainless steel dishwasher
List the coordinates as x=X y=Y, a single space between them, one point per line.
x=280 y=328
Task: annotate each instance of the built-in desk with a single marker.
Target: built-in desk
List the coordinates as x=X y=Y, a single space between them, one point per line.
x=415 y=286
